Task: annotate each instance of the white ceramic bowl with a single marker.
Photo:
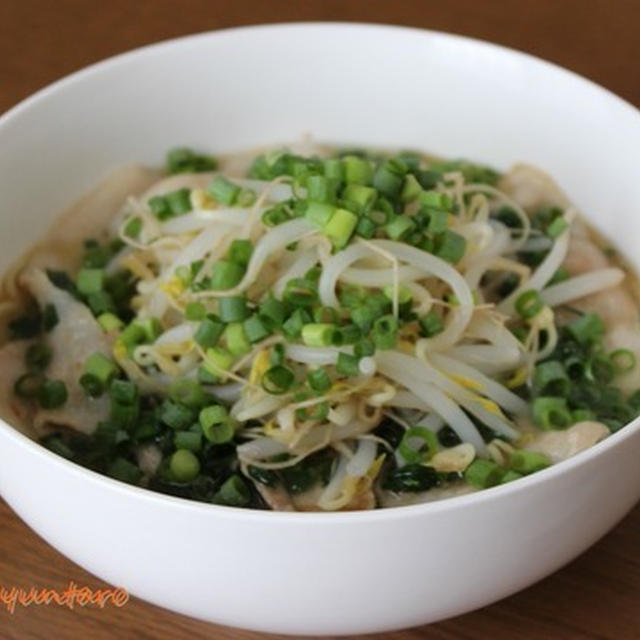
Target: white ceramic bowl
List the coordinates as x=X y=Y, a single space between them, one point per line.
x=378 y=86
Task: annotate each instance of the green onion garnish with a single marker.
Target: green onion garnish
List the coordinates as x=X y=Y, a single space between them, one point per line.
x=529 y=304
x=319 y=380
x=418 y=445
x=233 y=493
x=52 y=394
x=483 y=473
x=278 y=380
x=586 y=328
x=526 y=462
x=236 y=337
x=232 y=309
x=551 y=413
x=340 y=227
x=318 y=334
x=347 y=365
x=385 y=332
x=184 y=465
x=223 y=190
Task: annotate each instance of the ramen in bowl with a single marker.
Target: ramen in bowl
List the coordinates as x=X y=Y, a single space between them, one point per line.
x=312 y=329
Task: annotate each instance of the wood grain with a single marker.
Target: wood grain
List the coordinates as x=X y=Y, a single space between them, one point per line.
x=598 y=595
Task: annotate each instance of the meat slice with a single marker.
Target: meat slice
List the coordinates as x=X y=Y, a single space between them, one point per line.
x=76 y=336
x=12 y=409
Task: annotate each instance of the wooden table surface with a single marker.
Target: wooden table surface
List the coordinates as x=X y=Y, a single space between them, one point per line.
x=598 y=595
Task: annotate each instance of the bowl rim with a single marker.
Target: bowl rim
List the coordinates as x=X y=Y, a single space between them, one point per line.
x=313 y=518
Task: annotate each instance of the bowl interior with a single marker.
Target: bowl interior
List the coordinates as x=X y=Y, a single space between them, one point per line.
x=373 y=86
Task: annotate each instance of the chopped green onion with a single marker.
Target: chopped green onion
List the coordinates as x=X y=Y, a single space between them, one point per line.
x=364 y=348
x=623 y=360
x=178 y=202
x=529 y=304
x=177 y=416
x=49 y=317
x=347 y=365
x=411 y=189
x=526 y=462
x=218 y=360
x=551 y=413
x=278 y=380
x=102 y=367
x=195 y=311
x=586 y=328
x=436 y=220
x=300 y=292
x=483 y=474
x=418 y=445
x=90 y=281
x=208 y=332
x=315 y=412
x=184 y=465
x=320 y=189
x=430 y=324
x=334 y=169
x=255 y=329
x=557 y=227
x=52 y=394
x=340 y=227
x=131 y=336
x=551 y=378
x=190 y=440
x=125 y=471
x=233 y=309
x=133 y=227
x=560 y=275
x=349 y=334
x=435 y=200
x=277 y=354
x=292 y=327
x=582 y=415
x=450 y=246
x=399 y=227
x=319 y=213
x=28 y=385
x=160 y=207
x=188 y=392
x=123 y=391
x=236 y=337
x=385 y=332
x=38 y=356
x=363 y=317
x=600 y=369
x=357 y=170
x=388 y=178
x=216 y=425
x=272 y=312
x=91 y=384
x=109 y=322
x=319 y=380
x=366 y=228
x=183 y=160
x=100 y=302
x=510 y=476
x=405 y=294
x=318 y=334
x=240 y=252
x=223 y=190
x=225 y=275
x=233 y=493
x=275 y=216
x=359 y=198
